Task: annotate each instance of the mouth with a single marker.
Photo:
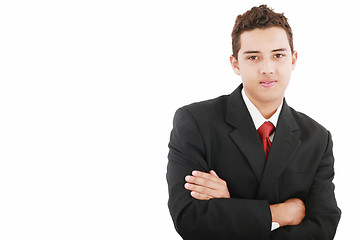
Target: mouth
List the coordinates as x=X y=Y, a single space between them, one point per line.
x=267 y=83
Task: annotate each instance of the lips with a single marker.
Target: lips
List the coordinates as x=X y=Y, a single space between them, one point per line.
x=268 y=83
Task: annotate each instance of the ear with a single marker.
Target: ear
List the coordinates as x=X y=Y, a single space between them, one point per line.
x=235 y=64
x=294 y=59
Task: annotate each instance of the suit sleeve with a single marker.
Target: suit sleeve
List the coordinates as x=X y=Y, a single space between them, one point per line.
x=322 y=213
x=216 y=218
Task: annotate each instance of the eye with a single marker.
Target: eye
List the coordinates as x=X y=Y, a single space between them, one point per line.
x=279 y=55
x=252 y=58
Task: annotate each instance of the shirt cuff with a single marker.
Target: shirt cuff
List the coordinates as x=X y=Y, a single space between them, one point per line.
x=274 y=226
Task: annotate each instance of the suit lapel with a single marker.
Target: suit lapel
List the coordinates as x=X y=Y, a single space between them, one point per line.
x=283 y=148
x=244 y=135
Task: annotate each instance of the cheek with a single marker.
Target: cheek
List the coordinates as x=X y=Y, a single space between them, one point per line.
x=248 y=73
x=284 y=71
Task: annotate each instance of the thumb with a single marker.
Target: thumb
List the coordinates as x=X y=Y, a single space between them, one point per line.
x=212 y=172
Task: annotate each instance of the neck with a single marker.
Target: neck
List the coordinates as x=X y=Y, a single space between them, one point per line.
x=267 y=109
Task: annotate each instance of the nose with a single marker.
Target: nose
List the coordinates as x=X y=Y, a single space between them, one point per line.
x=267 y=67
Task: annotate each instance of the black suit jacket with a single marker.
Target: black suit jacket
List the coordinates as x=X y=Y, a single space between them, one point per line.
x=219 y=134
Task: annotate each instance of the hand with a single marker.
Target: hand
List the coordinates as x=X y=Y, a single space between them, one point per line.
x=204 y=186
x=291 y=212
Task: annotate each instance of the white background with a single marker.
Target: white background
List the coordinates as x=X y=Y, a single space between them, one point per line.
x=88 y=90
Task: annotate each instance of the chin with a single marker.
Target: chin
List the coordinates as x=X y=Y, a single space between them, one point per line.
x=269 y=97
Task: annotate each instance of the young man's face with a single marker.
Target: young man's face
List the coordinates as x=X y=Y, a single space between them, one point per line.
x=264 y=63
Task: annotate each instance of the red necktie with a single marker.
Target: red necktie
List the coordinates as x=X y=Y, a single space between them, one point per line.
x=264 y=132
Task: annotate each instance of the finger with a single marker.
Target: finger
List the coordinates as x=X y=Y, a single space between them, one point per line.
x=206 y=176
x=202 y=182
x=200 y=189
x=200 y=196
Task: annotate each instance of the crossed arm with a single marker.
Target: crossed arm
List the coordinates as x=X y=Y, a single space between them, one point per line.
x=205 y=186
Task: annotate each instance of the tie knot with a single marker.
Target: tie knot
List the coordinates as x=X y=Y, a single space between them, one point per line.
x=265 y=130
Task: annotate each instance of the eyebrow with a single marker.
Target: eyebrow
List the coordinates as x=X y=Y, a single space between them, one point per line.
x=279 y=50
x=275 y=50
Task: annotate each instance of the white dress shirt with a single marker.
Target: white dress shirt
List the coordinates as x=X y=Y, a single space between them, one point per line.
x=256 y=116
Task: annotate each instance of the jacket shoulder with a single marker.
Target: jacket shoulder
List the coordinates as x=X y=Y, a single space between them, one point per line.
x=308 y=125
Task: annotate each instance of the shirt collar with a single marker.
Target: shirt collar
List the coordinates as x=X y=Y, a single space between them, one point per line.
x=255 y=114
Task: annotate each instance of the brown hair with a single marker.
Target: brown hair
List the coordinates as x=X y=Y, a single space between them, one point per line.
x=259 y=17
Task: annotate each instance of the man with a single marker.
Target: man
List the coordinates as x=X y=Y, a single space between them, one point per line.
x=246 y=165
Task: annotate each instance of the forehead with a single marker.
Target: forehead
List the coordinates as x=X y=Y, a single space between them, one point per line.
x=264 y=40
